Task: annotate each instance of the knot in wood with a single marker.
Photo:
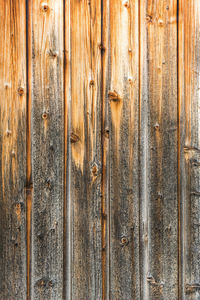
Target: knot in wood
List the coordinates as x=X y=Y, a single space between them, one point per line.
x=94 y=170
x=91 y=82
x=114 y=96
x=20 y=91
x=74 y=138
x=149 y=19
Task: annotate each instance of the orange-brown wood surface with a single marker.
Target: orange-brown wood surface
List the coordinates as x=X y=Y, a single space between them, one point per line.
x=99 y=150
x=13 y=150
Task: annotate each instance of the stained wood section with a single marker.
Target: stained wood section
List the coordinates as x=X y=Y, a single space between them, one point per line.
x=85 y=139
x=158 y=130
x=47 y=138
x=12 y=150
x=120 y=126
x=190 y=152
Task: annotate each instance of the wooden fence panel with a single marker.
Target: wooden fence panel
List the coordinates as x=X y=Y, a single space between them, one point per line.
x=158 y=123
x=99 y=149
x=47 y=139
x=13 y=149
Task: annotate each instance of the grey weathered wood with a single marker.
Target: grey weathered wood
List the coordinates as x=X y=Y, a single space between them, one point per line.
x=12 y=150
x=190 y=152
x=120 y=126
x=85 y=139
x=158 y=148
x=47 y=138
x=100 y=158
x=105 y=187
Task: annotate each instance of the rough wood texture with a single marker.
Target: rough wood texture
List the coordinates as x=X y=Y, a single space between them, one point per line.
x=47 y=137
x=158 y=124
x=99 y=149
x=85 y=138
x=190 y=152
x=120 y=126
x=12 y=149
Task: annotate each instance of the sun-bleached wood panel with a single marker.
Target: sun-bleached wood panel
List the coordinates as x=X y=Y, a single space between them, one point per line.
x=12 y=150
x=158 y=148
x=46 y=64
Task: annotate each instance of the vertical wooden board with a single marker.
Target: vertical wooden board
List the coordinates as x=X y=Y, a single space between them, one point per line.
x=120 y=125
x=158 y=129
x=105 y=186
x=47 y=128
x=67 y=249
x=181 y=114
x=85 y=165
x=12 y=149
x=190 y=151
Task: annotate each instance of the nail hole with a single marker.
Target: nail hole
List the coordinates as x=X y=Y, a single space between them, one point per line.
x=124 y=241
x=44 y=6
x=156 y=126
x=44 y=116
x=125 y=3
x=160 y=22
x=106 y=132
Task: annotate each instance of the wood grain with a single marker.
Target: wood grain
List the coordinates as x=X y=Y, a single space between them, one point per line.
x=120 y=129
x=99 y=149
x=13 y=150
x=85 y=138
x=47 y=139
x=190 y=152
x=158 y=130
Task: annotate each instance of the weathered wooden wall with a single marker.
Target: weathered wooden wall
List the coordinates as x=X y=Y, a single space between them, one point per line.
x=100 y=149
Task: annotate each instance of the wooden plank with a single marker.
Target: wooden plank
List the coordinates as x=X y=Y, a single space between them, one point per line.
x=13 y=149
x=47 y=125
x=67 y=249
x=190 y=152
x=120 y=159
x=181 y=113
x=105 y=186
x=158 y=129
x=85 y=165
